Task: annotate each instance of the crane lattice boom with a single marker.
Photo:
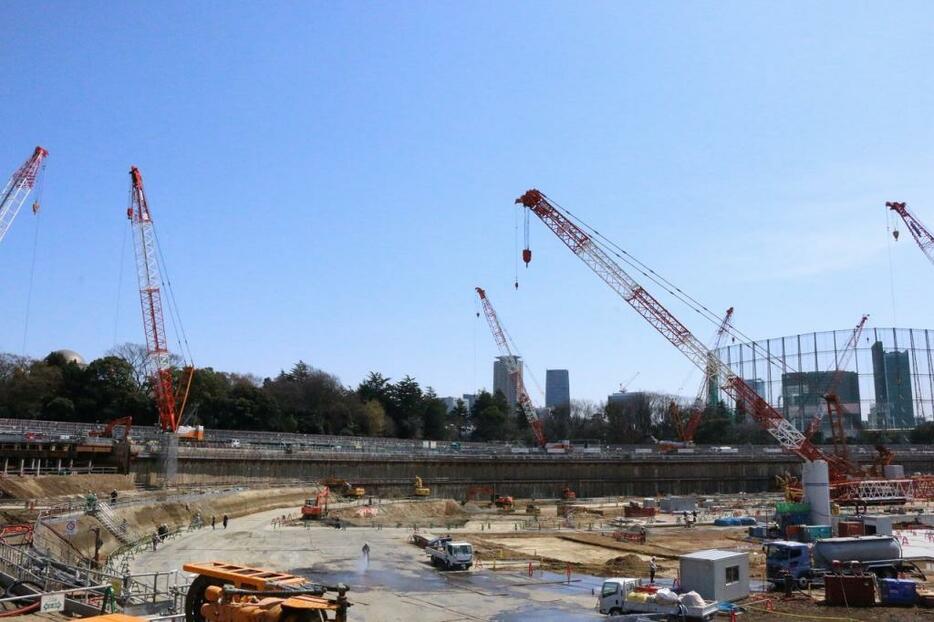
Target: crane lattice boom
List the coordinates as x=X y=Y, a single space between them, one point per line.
x=150 y=281
x=830 y=393
x=918 y=231
x=598 y=260
x=512 y=368
x=18 y=188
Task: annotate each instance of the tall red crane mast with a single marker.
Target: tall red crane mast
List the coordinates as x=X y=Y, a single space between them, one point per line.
x=17 y=189
x=150 y=282
x=918 y=231
x=835 y=409
x=605 y=267
x=509 y=359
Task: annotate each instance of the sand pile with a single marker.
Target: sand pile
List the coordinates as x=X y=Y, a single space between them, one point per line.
x=405 y=512
x=626 y=566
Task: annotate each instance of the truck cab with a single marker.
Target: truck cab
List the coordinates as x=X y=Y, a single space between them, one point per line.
x=785 y=556
x=613 y=593
x=450 y=555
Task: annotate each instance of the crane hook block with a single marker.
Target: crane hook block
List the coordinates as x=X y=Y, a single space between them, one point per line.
x=895 y=234
x=526 y=256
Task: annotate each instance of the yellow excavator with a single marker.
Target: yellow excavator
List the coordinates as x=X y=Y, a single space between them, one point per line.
x=420 y=490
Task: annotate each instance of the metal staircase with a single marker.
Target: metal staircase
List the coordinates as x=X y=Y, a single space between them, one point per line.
x=119 y=528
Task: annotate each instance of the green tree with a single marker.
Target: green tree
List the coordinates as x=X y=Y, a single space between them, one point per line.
x=434 y=417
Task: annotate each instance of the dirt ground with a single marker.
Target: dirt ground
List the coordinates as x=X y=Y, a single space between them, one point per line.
x=601 y=555
x=144 y=519
x=440 y=513
x=47 y=486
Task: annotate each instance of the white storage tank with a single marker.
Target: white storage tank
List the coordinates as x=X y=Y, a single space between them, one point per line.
x=716 y=574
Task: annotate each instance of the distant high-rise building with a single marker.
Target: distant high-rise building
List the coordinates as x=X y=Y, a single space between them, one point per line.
x=803 y=399
x=891 y=373
x=503 y=381
x=451 y=402
x=557 y=388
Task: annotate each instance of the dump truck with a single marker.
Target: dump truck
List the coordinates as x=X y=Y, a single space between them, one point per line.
x=880 y=555
x=617 y=596
x=446 y=554
x=221 y=592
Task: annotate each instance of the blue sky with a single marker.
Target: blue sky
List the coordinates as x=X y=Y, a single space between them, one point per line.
x=331 y=180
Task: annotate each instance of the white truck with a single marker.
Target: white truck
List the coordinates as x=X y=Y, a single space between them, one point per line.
x=615 y=599
x=449 y=555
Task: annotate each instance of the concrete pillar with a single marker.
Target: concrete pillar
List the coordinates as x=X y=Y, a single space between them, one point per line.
x=58 y=467
x=22 y=465
x=816 y=481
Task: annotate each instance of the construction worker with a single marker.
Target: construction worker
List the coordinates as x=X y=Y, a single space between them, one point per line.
x=653 y=567
x=224 y=520
x=213 y=519
x=113 y=497
x=642 y=535
x=366 y=553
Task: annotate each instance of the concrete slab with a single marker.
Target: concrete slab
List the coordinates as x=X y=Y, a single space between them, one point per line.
x=398 y=584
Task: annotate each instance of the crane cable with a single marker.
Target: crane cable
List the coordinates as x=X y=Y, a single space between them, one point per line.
x=668 y=286
x=123 y=253
x=36 y=208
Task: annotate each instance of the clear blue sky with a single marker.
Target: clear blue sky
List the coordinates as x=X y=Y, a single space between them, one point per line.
x=331 y=180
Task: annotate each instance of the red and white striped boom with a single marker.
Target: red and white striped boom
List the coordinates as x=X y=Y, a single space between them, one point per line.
x=605 y=267
x=918 y=231
x=509 y=359
x=18 y=188
x=150 y=281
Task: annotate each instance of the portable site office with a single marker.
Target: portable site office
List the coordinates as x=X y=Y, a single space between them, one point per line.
x=715 y=574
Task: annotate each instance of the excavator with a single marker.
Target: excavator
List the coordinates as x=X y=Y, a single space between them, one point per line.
x=345 y=488
x=420 y=489
x=108 y=431
x=317 y=507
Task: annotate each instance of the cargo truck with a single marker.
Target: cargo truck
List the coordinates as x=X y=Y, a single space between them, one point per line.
x=616 y=598
x=880 y=555
x=449 y=555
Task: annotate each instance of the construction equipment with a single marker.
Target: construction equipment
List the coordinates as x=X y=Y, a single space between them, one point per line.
x=835 y=409
x=419 y=489
x=232 y=593
x=918 y=231
x=17 y=189
x=316 y=508
x=345 y=488
x=568 y=495
x=108 y=432
x=686 y=430
x=193 y=433
x=158 y=357
x=446 y=554
x=597 y=254
x=504 y=503
x=510 y=360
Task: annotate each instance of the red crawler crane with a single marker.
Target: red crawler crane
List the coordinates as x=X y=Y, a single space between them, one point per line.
x=918 y=231
x=18 y=188
x=849 y=483
x=835 y=409
x=602 y=263
x=150 y=281
x=687 y=430
x=522 y=396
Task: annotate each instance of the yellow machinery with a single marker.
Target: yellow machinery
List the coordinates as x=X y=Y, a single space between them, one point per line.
x=231 y=593
x=345 y=488
x=420 y=489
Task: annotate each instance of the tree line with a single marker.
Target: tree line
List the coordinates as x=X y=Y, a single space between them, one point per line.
x=309 y=400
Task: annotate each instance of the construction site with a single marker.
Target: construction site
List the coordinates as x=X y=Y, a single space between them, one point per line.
x=824 y=510
x=176 y=521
